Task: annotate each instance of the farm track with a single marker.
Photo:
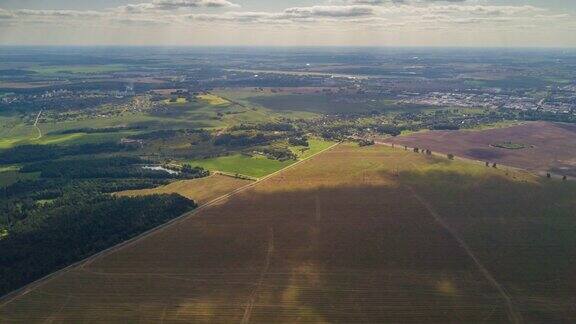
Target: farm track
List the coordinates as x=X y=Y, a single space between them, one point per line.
x=514 y=316
x=39 y=133
x=465 y=159
x=259 y=284
x=356 y=235
x=83 y=264
x=36 y=126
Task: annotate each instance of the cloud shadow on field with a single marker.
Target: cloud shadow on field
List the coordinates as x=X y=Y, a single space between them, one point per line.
x=522 y=229
x=369 y=252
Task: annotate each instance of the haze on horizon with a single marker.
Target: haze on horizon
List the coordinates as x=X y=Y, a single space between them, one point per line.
x=474 y=23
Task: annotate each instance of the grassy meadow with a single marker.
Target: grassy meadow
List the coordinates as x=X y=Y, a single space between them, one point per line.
x=81 y=69
x=213 y=100
x=210 y=111
x=252 y=166
x=258 y=166
x=179 y=101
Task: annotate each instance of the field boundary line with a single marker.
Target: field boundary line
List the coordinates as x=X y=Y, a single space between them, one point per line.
x=502 y=167
x=14 y=295
x=239 y=176
x=514 y=316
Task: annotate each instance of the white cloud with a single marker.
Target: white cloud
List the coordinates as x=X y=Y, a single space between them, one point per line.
x=56 y=13
x=296 y=14
x=338 y=17
x=165 y=5
x=177 y=4
x=160 y=9
x=5 y=14
x=331 y=11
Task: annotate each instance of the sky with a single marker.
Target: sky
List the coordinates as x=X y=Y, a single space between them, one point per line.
x=461 y=23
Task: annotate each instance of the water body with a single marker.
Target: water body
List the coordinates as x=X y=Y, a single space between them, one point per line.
x=159 y=168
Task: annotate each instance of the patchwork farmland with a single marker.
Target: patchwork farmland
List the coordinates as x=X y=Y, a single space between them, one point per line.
x=352 y=235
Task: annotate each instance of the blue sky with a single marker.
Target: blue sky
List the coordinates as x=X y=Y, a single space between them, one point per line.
x=483 y=23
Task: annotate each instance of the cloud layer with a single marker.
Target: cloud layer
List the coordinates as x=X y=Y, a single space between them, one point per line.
x=334 y=18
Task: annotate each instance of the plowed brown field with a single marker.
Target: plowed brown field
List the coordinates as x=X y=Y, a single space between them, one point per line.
x=549 y=146
x=352 y=235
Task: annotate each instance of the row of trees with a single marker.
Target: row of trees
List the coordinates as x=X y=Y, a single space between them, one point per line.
x=452 y=157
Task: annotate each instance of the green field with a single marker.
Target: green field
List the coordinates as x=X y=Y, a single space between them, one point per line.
x=315 y=146
x=179 y=101
x=28 y=135
x=80 y=138
x=189 y=115
x=247 y=98
x=15 y=132
x=210 y=112
x=80 y=69
x=258 y=166
x=214 y=100
x=316 y=103
x=6 y=168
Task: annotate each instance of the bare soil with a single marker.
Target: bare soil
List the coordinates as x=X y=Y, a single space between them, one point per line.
x=550 y=147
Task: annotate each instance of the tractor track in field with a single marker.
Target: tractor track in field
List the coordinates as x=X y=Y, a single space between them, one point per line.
x=513 y=315
x=254 y=296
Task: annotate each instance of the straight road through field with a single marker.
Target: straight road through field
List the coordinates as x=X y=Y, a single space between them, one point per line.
x=339 y=239
x=5 y=300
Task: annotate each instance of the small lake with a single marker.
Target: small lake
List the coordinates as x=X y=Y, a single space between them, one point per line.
x=159 y=168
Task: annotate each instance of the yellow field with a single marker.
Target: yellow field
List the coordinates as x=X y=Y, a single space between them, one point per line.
x=179 y=101
x=371 y=235
x=200 y=190
x=213 y=100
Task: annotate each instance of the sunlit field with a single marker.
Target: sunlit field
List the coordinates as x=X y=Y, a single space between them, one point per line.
x=372 y=234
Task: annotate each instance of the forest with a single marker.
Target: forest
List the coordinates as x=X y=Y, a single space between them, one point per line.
x=32 y=153
x=68 y=212
x=74 y=227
